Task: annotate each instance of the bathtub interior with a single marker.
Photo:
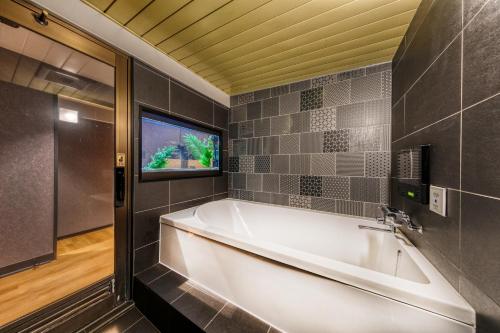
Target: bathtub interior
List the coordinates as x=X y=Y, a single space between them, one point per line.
x=372 y=250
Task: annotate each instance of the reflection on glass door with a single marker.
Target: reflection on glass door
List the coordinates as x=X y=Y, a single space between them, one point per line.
x=56 y=190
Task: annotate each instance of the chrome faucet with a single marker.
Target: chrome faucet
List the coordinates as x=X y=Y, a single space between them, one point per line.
x=395 y=218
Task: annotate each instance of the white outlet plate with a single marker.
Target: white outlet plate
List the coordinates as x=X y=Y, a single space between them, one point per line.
x=437 y=200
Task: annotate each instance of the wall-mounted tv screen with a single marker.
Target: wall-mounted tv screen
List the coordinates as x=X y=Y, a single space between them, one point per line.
x=172 y=147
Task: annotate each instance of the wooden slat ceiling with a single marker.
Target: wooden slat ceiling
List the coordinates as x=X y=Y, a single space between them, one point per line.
x=244 y=45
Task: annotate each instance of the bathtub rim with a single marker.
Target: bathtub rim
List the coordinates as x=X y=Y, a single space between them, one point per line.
x=440 y=297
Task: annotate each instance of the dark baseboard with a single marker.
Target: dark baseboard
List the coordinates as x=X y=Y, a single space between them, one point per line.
x=27 y=264
x=69 y=314
x=84 y=231
x=165 y=317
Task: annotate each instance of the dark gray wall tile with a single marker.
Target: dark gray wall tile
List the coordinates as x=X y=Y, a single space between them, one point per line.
x=481 y=53
x=189 y=204
x=146 y=256
x=220 y=184
x=147 y=226
x=398 y=120
x=437 y=94
x=479 y=242
x=150 y=195
x=254 y=110
x=150 y=87
x=186 y=103
x=481 y=148
x=221 y=116
x=190 y=188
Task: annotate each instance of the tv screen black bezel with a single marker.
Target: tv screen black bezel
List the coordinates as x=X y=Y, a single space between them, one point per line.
x=187 y=123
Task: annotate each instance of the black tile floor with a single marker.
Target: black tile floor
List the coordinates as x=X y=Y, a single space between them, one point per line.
x=130 y=321
x=208 y=311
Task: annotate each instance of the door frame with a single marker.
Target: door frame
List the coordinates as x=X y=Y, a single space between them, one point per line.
x=22 y=13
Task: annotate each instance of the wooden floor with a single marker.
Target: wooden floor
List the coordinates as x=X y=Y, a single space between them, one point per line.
x=81 y=261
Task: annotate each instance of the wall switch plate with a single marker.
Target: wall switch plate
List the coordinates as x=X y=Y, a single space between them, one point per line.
x=437 y=200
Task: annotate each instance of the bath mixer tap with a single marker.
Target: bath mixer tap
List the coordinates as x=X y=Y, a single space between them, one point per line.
x=395 y=218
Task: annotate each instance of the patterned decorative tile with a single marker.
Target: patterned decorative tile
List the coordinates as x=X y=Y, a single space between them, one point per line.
x=349 y=207
x=233 y=131
x=261 y=94
x=350 y=164
x=386 y=138
x=359 y=72
x=246 y=129
x=234 y=194
x=300 y=164
x=323 y=119
x=300 y=201
x=352 y=115
x=336 y=187
x=325 y=205
x=230 y=149
x=245 y=98
x=254 y=182
x=370 y=209
x=280 y=199
x=301 y=85
x=311 y=186
x=311 y=99
x=403 y=164
x=289 y=184
x=300 y=122
x=262 y=197
x=366 y=88
x=378 y=112
x=311 y=142
x=280 y=163
x=336 y=141
x=246 y=164
x=270 y=145
x=290 y=144
x=290 y=103
x=378 y=164
x=239 y=113
x=324 y=80
x=233 y=100
x=254 y=110
x=239 y=147
x=365 y=139
x=262 y=164
x=234 y=164
x=280 y=125
x=280 y=90
x=239 y=181
x=386 y=84
x=337 y=93
x=384 y=191
x=322 y=164
x=254 y=146
x=262 y=127
x=270 y=107
x=246 y=195
x=271 y=183
x=344 y=76
x=365 y=189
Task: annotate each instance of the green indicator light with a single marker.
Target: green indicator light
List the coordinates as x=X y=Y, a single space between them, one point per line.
x=411 y=194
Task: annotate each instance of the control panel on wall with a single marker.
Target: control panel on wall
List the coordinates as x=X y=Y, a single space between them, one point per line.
x=413 y=165
x=437 y=202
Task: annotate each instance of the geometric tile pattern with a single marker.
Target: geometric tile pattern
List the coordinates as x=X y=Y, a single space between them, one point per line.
x=299 y=201
x=323 y=120
x=321 y=143
x=246 y=164
x=336 y=141
x=311 y=99
x=322 y=164
x=290 y=144
x=311 y=186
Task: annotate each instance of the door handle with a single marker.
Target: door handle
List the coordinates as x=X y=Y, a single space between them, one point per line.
x=119 y=186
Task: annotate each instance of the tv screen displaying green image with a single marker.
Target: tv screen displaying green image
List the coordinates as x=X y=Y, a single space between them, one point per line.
x=172 y=147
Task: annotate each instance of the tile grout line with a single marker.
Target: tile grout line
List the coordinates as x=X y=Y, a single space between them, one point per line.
x=158 y=277
x=211 y=320
x=135 y=322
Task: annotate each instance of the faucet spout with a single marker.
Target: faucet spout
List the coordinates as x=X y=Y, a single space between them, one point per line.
x=395 y=218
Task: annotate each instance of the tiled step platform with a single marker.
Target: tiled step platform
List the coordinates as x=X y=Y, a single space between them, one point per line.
x=175 y=304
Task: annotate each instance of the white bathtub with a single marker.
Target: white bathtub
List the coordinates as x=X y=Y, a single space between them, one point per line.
x=304 y=271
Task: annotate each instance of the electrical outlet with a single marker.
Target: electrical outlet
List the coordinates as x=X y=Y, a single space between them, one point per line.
x=437 y=200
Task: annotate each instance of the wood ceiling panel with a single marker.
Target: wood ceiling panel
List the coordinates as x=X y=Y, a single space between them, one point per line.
x=183 y=18
x=242 y=45
x=124 y=10
x=153 y=14
x=226 y=14
x=301 y=47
